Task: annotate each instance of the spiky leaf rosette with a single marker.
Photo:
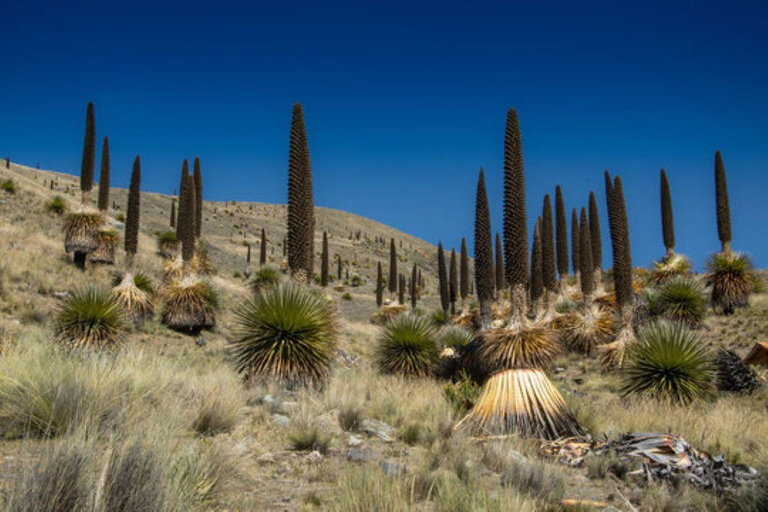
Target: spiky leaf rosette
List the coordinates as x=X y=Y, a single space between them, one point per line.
x=379 y=287
x=731 y=278
x=670 y=266
x=530 y=347
x=132 y=215
x=464 y=271
x=575 y=242
x=499 y=265
x=190 y=305
x=104 y=177
x=301 y=219
x=135 y=301
x=407 y=346
x=588 y=329
x=682 y=299
x=287 y=333
x=721 y=199
x=392 y=282
x=561 y=233
x=733 y=376
x=585 y=250
x=197 y=178
x=89 y=318
x=549 y=275
x=484 y=275
x=667 y=217
x=523 y=402
x=80 y=230
x=669 y=363
x=442 y=273
x=88 y=163
x=106 y=242
x=594 y=233
x=453 y=336
x=515 y=224
x=537 y=279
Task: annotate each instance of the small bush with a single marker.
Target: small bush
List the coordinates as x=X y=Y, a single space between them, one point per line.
x=350 y=418
x=265 y=277
x=462 y=395
x=407 y=346
x=120 y=217
x=56 y=205
x=90 y=318
x=308 y=437
x=9 y=186
x=133 y=479
x=347 y=296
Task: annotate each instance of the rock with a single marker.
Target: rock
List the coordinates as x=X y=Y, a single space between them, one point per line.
x=360 y=454
x=200 y=342
x=611 y=508
x=392 y=468
x=315 y=456
x=378 y=429
x=559 y=369
x=354 y=440
x=281 y=420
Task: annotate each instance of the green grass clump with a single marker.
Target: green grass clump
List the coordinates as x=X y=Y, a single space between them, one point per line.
x=679 y=299
x=669 y=363
x=731 y=278
x=407 y=346
x=307 y=438
x=287 y=333
x=9 y=186
x=56 y=205
x=142 y=281
x=89 y=318
x=265 y=277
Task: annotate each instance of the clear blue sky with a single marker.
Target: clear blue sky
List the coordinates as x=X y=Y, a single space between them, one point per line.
x=405 y=101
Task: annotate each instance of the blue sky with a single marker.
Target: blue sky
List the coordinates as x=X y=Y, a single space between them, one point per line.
x=404 y=101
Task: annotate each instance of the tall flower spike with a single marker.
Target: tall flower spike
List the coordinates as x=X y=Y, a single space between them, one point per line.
x=723 y=208
x=667 y=217
x=104 y=177
x=484 y=275
x=561 y=233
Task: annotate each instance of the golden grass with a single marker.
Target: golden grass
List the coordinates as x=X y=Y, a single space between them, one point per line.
x=589 y=328
x=80 y=230
x=106 y=242
x=189 y=305
x=136 y=303
x=529 y=347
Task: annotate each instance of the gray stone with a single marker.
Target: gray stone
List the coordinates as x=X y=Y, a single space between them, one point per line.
x=393 y=468
x=315 y=456
x=360 y=454
x=378 y=429
x=281 y=420
x=354 y=440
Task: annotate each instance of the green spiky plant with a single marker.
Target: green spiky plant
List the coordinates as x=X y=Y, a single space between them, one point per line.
x=681 y=299
x=89 y=318
x=392 y=280
x=379 y=286
x=614 y=353
x=484 y=271
x=135 y=302
x=104 y=178
x=731 y=278
x=455 y=336
x=561 y=235
x=407 y=346
x=324 y=262
x=301 y=216
x=453 y=281
x=669 y=363
x=80 y=227
x=537 y=280
x=286 y=333
x=501 y=279
x=442 y=274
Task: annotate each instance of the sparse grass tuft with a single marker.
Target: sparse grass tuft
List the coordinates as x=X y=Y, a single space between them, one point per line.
x=9 y=186
x=57 y=205
x=305 y=436
x=265 y=277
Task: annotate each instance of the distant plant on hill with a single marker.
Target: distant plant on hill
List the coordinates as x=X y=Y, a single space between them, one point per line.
x=104 y=177
x=9 y=186
x=88 y=163
x=453 y=284
x=585 y=259
x=595 y=237
x=265 y=277
x=379 y=287
x=287 y=333
x=548 y=265
x=57 y=205
x=263 y=248
x=407 y=346
x=731 y=278
x=463 y=272
x=89 y=318
x=667 y=217
x=392 y=279
x=301 y=217
x=172 y=222
x=669 y=363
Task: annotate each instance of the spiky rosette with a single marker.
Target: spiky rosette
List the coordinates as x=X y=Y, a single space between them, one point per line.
x=190 y=305
x=614 y=354
x=669 y=363
x=455 y=336
x=591 y=327
x=523 y=402
x=527 y=347
x=134 y=301
x=730 y=276
x=669 y=267
x=80 y=230
x=288 y=333
x=89 y=318
x=106 y=242
x=681 y=299
x=407 y=346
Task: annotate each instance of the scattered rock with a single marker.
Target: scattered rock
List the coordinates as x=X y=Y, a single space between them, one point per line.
x=200 y=342
x=281 y=420
x=315 y=456
x=360 y=454
x=393 y=468
x=354 y=440
x=378 y=429
x=348 y=359
x=559 y=369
